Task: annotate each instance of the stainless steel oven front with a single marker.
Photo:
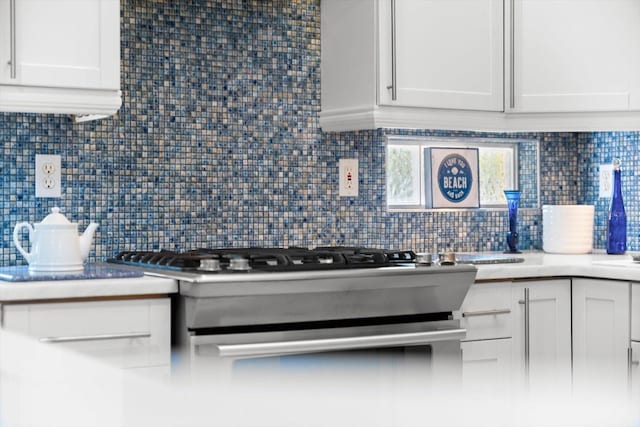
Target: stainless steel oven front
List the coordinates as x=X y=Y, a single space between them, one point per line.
x=363 y=321
x=406 y=348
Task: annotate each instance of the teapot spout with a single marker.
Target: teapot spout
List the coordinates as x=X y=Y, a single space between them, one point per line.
x=87 y=239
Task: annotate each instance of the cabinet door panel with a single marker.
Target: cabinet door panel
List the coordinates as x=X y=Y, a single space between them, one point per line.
x=486 y=365
x=600 y=332
x=65 y=43
x=549 y=332
x=635 y=312
x=588 y=65
x=5 y=41
x=448 y=54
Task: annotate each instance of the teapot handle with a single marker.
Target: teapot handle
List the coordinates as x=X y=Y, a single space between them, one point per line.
x=16 y=238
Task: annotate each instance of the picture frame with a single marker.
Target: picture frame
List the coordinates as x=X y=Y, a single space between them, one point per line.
x=452 y=175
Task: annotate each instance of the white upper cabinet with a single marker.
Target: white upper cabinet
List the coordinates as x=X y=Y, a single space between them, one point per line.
x=441 y=54
x=60 y=56
x=485 y=65
x=576 y=55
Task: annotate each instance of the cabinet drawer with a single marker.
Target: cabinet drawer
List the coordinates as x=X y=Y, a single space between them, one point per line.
x=487 y=365
x=125 y=333
x=635 y=312
x=486 y=311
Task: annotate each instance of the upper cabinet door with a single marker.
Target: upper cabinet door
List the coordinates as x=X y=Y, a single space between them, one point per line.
x=60 y=43
x=574 y=55
x=441 y=54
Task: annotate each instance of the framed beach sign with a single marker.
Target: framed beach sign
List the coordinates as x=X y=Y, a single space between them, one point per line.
x=452 y=177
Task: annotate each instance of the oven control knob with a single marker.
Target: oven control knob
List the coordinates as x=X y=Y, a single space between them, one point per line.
x=209 y=265
x=239 y=264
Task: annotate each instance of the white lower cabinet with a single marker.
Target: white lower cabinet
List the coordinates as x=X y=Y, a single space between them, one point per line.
x=130 y=333
x=601 y=334
x=542 y=333
x=552 y=335
x=503 y=349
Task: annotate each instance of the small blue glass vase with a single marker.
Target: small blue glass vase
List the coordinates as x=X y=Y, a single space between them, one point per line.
x=513 y=199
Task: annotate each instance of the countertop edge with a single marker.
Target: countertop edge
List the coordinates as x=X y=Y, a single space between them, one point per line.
x=542 y=265
x=60 y=289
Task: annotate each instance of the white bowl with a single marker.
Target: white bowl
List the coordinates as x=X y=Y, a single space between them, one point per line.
x=567 y=229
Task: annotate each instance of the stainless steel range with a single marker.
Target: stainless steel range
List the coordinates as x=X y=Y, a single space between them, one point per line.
x=257 y=304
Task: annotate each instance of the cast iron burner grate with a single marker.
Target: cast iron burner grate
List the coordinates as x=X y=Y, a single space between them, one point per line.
x=266 y=259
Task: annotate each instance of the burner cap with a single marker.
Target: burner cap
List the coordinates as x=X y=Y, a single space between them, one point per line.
x=239 y=264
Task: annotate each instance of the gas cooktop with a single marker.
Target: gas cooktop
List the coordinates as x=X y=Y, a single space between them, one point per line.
x=227 y=260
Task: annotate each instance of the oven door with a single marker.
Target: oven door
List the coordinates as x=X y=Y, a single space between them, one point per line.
x=417 y=353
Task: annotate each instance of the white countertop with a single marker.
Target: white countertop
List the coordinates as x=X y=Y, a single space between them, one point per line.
x=63 y=289
x=539 y=264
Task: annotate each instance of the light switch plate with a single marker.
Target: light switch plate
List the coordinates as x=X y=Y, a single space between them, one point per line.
x=606 y=180
x=48 y=175
x=348 y=182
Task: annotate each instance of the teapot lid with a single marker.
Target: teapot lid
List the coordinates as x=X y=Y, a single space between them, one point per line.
x=55 y=218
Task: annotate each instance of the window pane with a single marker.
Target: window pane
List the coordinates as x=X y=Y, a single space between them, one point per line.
x=496 y=174
x=403 y=175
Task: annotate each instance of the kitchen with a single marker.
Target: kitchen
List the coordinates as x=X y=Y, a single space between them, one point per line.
x=218 y=144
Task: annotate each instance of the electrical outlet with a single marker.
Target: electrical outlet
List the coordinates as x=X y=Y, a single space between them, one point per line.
x=606 y=180
x=49 y=183
x=348 y=182
x=48 y=172
x=48 y=168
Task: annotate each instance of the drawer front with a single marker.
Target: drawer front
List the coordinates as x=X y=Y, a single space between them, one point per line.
x=486 y=311
x=487 y=365
x=127 y=333
x=635 y=312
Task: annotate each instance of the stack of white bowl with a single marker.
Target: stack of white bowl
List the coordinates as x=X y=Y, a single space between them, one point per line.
x=567 y=229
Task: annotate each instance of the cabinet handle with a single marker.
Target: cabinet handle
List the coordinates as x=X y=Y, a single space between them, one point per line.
x=393 y=87
x=96 y=337
x=12 y=25
x=527 y=332
x=486 y=312
x=512 y=52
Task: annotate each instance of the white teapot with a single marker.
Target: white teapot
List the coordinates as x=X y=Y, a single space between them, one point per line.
x=55 y=243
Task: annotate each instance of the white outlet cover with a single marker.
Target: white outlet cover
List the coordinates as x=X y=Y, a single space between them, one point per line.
x=605 y=183
x=48 y=163
x=348 y=181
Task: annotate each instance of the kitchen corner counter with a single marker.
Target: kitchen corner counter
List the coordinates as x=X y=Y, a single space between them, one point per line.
x=544 y=265
x=82 y=289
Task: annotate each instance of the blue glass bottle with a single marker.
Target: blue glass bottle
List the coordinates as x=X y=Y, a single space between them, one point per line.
x=617 y=221
x=513 y=199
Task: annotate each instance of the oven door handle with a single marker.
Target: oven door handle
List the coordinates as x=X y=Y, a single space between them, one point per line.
x=281 y=348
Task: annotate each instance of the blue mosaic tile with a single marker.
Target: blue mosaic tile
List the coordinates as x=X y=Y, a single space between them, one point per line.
x=599 y=148
x=217 y=144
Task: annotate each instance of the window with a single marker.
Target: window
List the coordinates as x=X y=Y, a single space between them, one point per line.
x=406 y=180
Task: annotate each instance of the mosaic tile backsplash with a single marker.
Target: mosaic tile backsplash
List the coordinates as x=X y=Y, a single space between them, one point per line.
x=217 y=144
